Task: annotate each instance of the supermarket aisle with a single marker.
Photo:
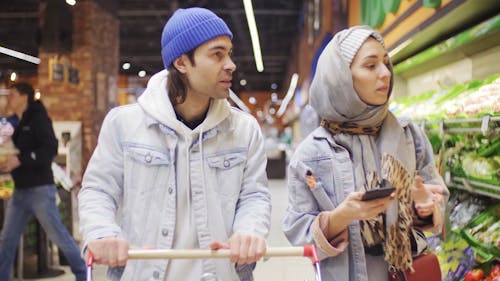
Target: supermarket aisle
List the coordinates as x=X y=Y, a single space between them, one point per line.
x=275 y=269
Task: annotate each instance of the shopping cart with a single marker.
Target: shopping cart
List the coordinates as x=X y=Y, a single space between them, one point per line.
x=306 y=251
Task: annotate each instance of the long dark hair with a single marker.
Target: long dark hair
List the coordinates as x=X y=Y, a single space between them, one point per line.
x=177 y=82
x=25 y=88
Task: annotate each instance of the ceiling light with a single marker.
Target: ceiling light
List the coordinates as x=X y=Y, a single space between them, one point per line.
x=274 y=97
x=71 y=2
x=126 y=65
x=252 y=100
x=243 y=82
x=13 y=76
x=254 y=35
x=19 y=55
x=38 y=95
x=272 y=110
x=142 y=73
x=274 y=86
x=289 y=94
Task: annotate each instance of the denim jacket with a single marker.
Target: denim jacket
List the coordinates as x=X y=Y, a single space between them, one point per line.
x=332 y=166
x=130 y=184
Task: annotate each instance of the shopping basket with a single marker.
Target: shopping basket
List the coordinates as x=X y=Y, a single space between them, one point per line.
x=306 y=251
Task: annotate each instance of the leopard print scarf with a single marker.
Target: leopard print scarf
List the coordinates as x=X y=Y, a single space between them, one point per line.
x=349 y=128
x=393 y=228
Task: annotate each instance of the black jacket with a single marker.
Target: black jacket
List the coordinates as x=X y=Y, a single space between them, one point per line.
x=37 y=144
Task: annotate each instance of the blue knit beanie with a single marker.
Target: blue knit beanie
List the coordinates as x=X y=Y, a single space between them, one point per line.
x=188 y=29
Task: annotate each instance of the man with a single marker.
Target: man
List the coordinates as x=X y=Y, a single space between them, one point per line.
x=34 y=192
x=180 y=169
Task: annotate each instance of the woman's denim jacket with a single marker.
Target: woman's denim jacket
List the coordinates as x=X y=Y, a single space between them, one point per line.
x=332 y=166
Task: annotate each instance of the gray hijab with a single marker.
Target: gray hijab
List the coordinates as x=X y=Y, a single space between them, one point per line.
x=332 y=91
x=334 y=98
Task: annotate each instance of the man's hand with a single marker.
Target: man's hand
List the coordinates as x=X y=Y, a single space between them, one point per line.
x=10 y=164
x=243 y=248
x=110 y=251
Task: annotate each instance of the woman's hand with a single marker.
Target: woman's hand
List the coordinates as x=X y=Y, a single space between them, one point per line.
x=353 y=208
x=426 y=197
x=357 y=209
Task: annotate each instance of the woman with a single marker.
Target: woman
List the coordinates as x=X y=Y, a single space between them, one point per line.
x=360 y=146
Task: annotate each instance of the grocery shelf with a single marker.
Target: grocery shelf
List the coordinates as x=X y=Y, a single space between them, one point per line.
x=469 y=186
x=485 y=125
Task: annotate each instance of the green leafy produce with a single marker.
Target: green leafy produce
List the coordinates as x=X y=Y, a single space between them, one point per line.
x=435 y=141
x=482 y=169
x=489 y=149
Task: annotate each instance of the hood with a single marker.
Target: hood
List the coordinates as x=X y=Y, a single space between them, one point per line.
x=156 y=103
x=332 y=91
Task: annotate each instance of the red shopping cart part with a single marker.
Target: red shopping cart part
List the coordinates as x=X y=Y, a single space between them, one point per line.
x=306 y=251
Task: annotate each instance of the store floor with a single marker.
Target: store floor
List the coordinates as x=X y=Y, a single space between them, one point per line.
x=275 y=269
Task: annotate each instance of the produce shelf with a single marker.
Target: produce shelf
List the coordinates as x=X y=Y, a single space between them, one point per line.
x=473 y=186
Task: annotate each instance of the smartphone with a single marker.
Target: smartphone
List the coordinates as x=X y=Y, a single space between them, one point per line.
x=378 y=193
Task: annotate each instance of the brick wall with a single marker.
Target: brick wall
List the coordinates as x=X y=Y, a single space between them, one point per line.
x=95 y=54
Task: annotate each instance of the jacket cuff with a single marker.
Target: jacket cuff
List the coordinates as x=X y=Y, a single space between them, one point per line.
x=334 y=246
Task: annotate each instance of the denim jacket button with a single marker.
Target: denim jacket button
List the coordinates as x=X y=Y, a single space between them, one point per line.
x=156 y=274
x=226 y=163
x=148 y=158
x=164 y=232
x=170 y=190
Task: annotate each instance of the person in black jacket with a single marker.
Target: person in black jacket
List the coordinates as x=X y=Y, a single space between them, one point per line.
x=35 y=190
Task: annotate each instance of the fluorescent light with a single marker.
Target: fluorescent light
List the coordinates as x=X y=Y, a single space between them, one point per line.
x=254 y=35
x=19 y=55
x=237 y=101
x=289 y=94
x=400 y=47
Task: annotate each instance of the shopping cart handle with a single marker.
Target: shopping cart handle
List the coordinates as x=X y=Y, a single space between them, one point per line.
x=209 y=254
x=306 y=251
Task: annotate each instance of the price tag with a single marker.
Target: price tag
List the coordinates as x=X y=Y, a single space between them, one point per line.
x=485 y=124
x=447 y=177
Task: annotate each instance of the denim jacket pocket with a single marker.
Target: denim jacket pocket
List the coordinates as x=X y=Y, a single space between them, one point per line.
x=147 y=156
x=226 y=161
x=227 y=171
x=146 y=168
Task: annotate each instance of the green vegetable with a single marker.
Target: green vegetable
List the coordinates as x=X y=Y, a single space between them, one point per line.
x=490 y=149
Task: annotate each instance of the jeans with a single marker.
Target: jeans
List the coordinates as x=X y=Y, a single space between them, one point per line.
x=41 y=202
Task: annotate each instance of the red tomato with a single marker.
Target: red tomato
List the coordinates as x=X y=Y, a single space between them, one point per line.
x=474 y=275
x=495 y=270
